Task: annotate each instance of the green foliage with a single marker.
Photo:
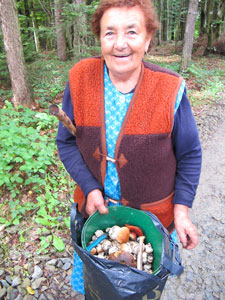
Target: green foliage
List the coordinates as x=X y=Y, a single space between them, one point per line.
x=48 y=77
x=25 y=152
x=31 y=184
x=208 y=80
x=78 y=18
x=47 y=241
x=58 y=243
x=171 y=62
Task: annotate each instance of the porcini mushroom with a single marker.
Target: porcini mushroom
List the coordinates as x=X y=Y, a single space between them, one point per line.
x=123 y=235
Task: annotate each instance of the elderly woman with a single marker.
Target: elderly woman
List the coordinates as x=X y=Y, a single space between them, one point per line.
x=137 y=141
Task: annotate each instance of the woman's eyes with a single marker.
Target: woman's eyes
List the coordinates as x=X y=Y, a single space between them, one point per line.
x=131 y=32
x=109 y=33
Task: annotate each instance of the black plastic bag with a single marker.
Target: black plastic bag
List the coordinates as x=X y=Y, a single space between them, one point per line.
x=109 y=280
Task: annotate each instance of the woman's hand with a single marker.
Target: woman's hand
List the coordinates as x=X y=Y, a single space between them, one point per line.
x=95 y=201
x=186 y=230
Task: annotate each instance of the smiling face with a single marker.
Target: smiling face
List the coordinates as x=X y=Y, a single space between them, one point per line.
x=124 y=40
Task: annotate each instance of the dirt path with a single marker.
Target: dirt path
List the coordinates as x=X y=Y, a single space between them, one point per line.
x=204 y=275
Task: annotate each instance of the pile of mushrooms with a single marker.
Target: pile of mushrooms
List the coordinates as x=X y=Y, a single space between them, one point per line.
x=124 y=245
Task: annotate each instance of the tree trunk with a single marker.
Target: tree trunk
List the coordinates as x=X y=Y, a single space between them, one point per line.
x=22 y=93
x=184 y=10
x=27 y=13
x=164 y=20
x=167 y=19
x=178 y=25
x=222 y=34
x=160 y=20
x=189 y=34
x=79 y=29
x=173 y=20
x=60 y=32
x=35 y=27
x=218 y=17
x=210 y=10
x=203 y=17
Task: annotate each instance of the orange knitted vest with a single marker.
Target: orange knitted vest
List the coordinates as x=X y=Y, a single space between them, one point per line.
x=144 y=155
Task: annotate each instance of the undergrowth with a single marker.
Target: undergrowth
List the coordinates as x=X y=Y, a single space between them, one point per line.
x=48 y=77
x=32 y=180
x=204 y=78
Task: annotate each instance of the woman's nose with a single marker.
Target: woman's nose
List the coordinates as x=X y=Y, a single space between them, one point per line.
x=120 y=42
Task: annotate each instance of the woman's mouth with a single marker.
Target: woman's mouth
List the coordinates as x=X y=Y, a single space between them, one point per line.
x=121 y=55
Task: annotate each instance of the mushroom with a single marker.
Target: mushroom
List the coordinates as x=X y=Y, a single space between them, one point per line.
x=113 y=249
x=99 y=248
x=121 y=234
x=126 y=247
x=94 y=238
x=93 y=251
x=123 y=258
x=150 y=259
x=144 y=258
x=139 y=257
x=101 y=255
x=147 y=267
x=98 y=233
x=148 y=248
x=116 y=244
x=133 y=236
x=135 y=248
x=106 y=244
x=113 y=232
x=135 y=229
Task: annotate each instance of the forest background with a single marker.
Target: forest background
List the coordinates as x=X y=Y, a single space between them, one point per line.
x=39 y=42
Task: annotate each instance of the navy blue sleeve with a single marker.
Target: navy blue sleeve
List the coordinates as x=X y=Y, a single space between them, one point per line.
x=188 y=154
x=70 y=154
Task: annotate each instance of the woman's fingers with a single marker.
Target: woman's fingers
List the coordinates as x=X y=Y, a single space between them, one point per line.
x=186 y=230
x=192 y=237
x=95 y=201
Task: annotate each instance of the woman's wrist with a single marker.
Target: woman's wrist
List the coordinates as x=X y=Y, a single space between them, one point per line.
x=180 y=209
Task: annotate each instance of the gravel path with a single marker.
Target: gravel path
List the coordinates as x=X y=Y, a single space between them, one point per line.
x=204 y=274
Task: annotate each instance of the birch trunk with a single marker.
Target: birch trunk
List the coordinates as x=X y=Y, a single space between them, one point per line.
x=35 y=27
x=22 y=93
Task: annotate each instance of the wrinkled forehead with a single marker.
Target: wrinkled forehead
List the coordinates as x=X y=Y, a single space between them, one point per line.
x=122 y=17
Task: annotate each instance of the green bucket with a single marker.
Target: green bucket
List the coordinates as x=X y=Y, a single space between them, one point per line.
x=121 y=215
